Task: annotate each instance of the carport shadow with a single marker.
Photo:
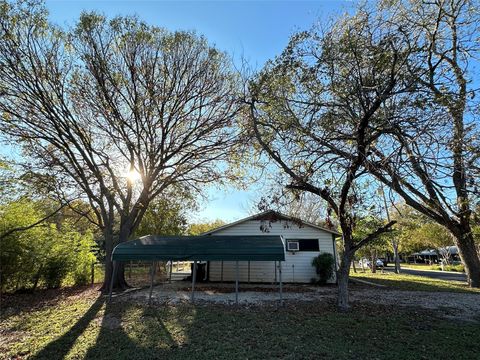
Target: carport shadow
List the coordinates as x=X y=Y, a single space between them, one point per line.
x=59 y=348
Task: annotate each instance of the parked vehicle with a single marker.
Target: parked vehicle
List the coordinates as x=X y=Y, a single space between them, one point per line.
x=384 y=261
x=380 y=263
x=366 y=263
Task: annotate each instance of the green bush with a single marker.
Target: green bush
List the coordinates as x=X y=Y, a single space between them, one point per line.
x=82 y=276
x=324 y=265
x=20 y=261
x=54 y=271
x=83 y=259
x=44 y=256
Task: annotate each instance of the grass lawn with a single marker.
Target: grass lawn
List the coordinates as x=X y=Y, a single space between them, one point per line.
x=77 y=324
x=413 y=282
x=455 y=268
x=417 y=266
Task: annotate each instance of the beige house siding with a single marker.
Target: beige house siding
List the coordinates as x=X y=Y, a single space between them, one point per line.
x=296 y=267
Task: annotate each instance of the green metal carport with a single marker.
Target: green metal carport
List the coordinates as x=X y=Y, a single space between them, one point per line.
x=201 y=248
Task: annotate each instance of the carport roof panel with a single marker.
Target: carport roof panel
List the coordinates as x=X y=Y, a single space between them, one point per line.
x=202 y=248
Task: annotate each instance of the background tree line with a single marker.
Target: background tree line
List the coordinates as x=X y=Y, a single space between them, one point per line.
x=412 y=233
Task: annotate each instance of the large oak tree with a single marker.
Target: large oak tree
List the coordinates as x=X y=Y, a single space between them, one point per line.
x=317 y=110
x=431 y=158
x=114 y=111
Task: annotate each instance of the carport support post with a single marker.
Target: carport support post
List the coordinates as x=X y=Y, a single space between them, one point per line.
x=152 y=274
x=280 y=281
x=171 y=269
x=221 y=273
x=275 y=270
x=194 y=278
x=236 y=282
x=114 y=272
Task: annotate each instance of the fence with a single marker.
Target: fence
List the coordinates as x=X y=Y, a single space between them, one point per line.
x=137 y=273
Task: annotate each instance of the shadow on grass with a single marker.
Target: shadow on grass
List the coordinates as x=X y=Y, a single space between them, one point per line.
x=60 y=347
x=130 y=331
x=137 y=331
x=30 y=301
x=127 y=331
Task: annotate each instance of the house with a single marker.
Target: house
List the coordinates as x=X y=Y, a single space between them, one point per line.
x=302 y=242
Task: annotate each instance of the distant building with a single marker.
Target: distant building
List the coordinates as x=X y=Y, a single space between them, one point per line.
x=434 y=256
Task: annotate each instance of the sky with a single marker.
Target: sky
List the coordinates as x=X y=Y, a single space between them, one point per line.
x=257 y=30
x=253 y=30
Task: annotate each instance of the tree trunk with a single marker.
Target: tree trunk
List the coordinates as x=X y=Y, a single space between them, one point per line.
x=463 y=232
x=396 y=257
x=468 y=253
x=128 y=224
x=373 y=261
x=342 y=278
x=37 y=278
x=119 y=282
x=353 y=266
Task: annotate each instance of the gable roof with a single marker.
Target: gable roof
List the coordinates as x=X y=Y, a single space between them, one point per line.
x=278 y=216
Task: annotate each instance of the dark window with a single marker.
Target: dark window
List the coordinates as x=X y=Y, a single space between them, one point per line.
x=306 y=244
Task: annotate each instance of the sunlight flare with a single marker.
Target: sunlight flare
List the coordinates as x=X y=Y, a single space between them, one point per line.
x=133 y=176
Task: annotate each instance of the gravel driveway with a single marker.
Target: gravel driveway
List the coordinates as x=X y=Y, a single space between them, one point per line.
x=460 y=306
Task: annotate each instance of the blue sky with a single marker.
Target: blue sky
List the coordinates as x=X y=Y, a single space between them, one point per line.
x=255 y=30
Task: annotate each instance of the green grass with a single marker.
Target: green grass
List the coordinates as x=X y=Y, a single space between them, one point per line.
x=413 y=282
x=416 y=266
x=80 y=325
x=455 y=268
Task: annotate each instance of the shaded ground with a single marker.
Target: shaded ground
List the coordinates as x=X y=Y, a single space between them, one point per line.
x=78 y=324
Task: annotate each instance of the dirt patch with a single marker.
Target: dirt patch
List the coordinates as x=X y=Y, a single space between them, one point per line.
x=109 y=321
x=227 y=290
x=9 y=336
x=249 y=294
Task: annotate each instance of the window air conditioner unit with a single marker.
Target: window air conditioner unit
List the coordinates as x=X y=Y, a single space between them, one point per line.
x=293 y=246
